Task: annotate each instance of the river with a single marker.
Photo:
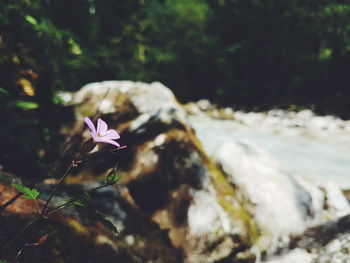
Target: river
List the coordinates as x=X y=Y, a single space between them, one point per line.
x=315 y=153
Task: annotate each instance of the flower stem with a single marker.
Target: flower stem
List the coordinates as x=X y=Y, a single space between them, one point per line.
x=42 y=215
x=20 y=233
x=72 y=201
x=56 y=186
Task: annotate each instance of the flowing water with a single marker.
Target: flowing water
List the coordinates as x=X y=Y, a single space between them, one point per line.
x=318 y=155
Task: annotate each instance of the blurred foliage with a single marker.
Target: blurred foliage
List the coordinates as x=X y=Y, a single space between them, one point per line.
x=245 y=53
x=284 y=52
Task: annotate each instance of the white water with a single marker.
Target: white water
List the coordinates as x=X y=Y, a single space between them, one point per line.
x=317 y=155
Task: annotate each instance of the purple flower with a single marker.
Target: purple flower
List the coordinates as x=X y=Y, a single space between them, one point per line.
x=101 y=133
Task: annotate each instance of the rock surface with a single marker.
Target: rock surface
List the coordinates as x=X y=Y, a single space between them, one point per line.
x=267 y=187
x=326 y=243
x=74 y=236
x=165 y=172
x=282 y=204
x=293 y=256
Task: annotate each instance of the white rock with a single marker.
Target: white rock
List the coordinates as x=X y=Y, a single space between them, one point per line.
x=304 y=114
x=294 y=256
x=206 y=216
x=148 y=100
x=106 y=106
x=65 y=96
x=280 y=204
x=204 y=104
x=336 y=202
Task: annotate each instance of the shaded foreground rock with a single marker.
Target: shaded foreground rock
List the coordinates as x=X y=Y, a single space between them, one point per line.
x=166 y=176
x=73 y=236
x=326 y=243
x=329 y=242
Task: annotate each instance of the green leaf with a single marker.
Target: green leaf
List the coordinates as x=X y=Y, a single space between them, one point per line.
x=325 y=53
x=2 y=90
x=33 y=194
x=23 y=189
x=75 y=48
x=29 y=194
x=78 y=203
x=112 y=177
x=56 y=99
x=106 y=222
x=31 y=20
x=26 y=105
x=3 y=261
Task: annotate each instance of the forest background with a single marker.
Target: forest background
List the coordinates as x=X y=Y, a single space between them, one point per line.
x=247 y=54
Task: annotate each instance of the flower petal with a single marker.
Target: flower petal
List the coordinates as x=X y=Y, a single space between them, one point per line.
x=101 y=127
x=94 y=137
x=110 y=142
x=90 y=124
x=111 y=135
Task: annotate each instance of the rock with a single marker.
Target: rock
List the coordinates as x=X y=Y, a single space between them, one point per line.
x=336 y=251
x=319 y=236
x=293 y=256
x=192 y=108
x=335 y=201
x=205 y=108
x=74 y=236
x=205 y=105
x=126 y=98
x=283 y=205
x=171 y=181
x=305 y=114
x=328 y=242
x=165 y=172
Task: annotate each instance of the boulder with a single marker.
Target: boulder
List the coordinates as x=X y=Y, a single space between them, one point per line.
x=165 y=173
x=74 y=236
x=328 y=242
x=293 y=256
x=283 y=205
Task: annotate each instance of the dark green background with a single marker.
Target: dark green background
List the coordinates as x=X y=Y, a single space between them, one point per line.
x=249 y=54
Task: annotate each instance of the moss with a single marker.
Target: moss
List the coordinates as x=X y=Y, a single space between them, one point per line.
x=226 y=195
x=76 y=226
x=87 y=109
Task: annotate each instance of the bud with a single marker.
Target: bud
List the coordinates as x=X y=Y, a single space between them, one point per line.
x=112 y=177
x=42 y=239
x=89 y=145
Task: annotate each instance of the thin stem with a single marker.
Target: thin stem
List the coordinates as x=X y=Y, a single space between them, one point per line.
x=37 y=206
x=20 y=233
x=71 y=201
x=41 y=215
x=9 y=202
x=58 y=208
x=99 y=153
x=56 y=186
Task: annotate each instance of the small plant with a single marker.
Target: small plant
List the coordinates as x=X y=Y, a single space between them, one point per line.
x=100 y=134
